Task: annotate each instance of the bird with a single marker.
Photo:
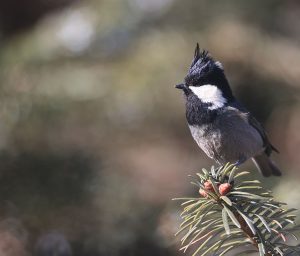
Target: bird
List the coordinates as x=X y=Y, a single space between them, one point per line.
x=221 y=126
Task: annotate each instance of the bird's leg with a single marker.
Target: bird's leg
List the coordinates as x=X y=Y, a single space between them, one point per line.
x=240 y=161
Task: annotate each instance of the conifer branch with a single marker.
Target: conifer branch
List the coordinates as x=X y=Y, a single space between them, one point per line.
x=232 y=213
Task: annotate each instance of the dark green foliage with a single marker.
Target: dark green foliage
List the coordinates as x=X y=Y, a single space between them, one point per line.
x=244 y=217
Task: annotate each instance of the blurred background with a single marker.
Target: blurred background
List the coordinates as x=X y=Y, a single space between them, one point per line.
x=93 y=137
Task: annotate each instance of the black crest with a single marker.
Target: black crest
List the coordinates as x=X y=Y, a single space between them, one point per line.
x=202 y=56
x=205 y=70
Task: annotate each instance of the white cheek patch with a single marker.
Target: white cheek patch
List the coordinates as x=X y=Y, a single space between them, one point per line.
x=209 y=94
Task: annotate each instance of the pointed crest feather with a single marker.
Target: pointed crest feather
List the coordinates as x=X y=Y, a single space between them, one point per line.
x=203 y=55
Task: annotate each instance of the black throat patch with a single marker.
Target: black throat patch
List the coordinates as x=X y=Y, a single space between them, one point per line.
x=198 y=112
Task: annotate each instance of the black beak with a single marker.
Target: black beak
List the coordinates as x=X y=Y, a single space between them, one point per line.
x=180 y=86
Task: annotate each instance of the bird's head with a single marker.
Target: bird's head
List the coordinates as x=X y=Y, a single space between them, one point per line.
x=206 y=80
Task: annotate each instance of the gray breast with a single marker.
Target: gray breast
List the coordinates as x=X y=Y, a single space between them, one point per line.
x=206 y=139
x=229 y=138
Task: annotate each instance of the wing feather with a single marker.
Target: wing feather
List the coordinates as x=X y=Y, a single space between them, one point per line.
x=257 y=125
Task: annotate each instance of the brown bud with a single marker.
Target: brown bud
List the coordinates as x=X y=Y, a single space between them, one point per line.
x=224 y=189
x=208 y=186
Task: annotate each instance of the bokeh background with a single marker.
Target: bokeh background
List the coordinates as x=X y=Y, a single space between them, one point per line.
x=93 y=137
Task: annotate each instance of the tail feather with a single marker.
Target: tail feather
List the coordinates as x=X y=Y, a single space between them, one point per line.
x=266 y=166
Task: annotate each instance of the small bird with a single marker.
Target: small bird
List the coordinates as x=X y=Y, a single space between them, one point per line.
x=222 y=127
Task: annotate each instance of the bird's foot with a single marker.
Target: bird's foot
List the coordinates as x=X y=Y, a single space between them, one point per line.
x=240 y=161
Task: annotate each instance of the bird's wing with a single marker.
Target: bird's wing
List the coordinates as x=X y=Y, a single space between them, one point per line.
x=257 y=125
x=269 y=147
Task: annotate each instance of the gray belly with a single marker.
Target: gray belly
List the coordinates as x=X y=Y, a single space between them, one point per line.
x=228 y=140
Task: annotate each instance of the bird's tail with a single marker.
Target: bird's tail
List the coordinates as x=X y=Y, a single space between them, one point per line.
x=266 y=166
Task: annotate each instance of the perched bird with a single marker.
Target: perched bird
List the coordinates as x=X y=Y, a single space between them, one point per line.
x=222 y=127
